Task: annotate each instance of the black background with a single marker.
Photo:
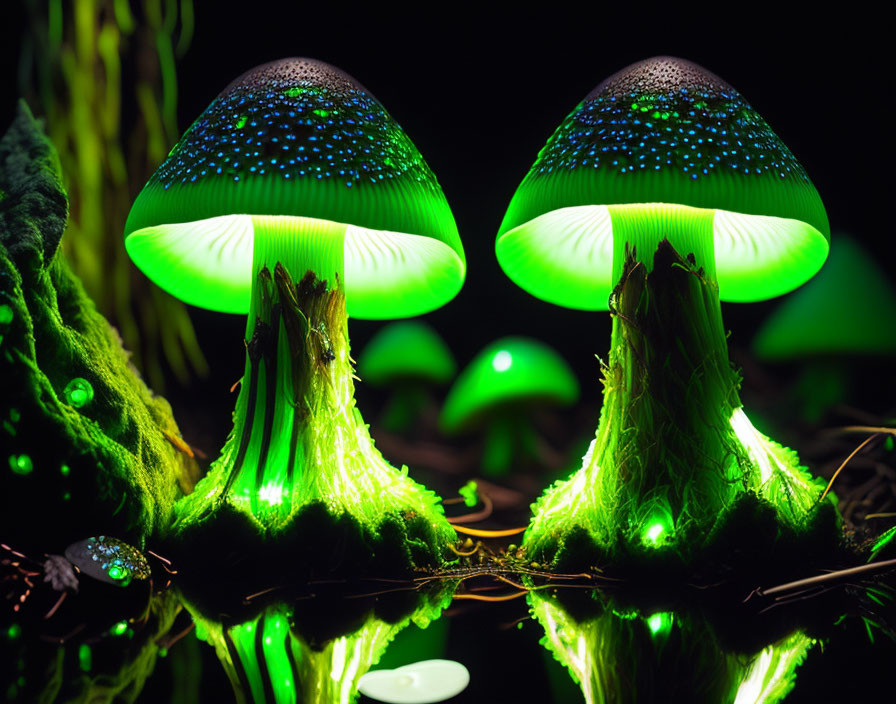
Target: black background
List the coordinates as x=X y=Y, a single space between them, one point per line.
x=479 y=88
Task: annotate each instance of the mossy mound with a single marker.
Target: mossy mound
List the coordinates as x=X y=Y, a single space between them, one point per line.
x=227 y=557
x=98 y=458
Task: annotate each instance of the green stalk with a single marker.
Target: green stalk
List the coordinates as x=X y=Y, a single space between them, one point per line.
x=297 y=436
x=673 y=449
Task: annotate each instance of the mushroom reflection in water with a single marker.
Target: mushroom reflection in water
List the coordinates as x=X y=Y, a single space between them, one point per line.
x=296 y=198
x=628 y=656
x=660 y=193
x=273 y=658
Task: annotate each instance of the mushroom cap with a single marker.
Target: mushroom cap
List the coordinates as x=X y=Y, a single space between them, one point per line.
x=510 y=372
x=404 y=351
x=848 y=309
x=297 y=137
x=663 y=130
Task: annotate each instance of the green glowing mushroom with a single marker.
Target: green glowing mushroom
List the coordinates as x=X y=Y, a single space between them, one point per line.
x=296 y=197
x=629 y=656
x=408 y=357
x=498 y=392
x=846 y=312
x=662 y=191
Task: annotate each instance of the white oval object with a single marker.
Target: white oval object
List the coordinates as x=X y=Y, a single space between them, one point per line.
x=418 y=683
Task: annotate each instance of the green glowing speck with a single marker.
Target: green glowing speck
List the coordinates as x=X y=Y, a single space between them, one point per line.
x=15 y=415
x=660 y=623
x=85 y=657
x=293 y=92
x=634 y=106
x=119 y=628
x=652 y=535
x=321 y=113
x=241 y=122
x=163 y=652
x=889 y=444
x=502 y=361
x=468 y=491
x=117 y=572
x=67 y=496
x=65 y=470
x=5 y=314
x=271 y=494
x=21 y=464
x=78 y=392
x=14 y=631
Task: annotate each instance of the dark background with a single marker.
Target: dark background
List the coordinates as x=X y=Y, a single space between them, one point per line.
x=479 y=89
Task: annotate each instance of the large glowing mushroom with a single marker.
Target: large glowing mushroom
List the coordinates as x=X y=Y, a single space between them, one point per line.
x=662 y=191
x=296 y=198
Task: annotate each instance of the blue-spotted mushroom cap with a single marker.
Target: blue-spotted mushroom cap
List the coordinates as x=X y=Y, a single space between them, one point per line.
x=297 y=138
x=663 y=131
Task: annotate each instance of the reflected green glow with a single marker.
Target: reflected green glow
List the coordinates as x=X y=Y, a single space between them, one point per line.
x=660 y=623
x=611 y=658
x=267 y=661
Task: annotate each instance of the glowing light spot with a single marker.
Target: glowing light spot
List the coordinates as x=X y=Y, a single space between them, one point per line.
x=660 y=623
x=21 y=464
x=119 y=628
x=271 y=494
x=241 y=122
x=502 y=361
x=85 y=657
x=654 y=533
x=14 y=631
x=78 y=392
x=65 y=470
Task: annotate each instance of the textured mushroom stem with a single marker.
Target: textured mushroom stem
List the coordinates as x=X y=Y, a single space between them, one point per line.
x=673 y=449
x=297 y=436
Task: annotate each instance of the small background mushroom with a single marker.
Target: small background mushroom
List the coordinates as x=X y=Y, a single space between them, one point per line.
x=499 y=393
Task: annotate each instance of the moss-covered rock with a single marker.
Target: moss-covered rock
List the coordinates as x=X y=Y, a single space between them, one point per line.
x=96 y=457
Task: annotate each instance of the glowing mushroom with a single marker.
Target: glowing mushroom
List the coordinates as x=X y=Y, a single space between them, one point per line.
x=498 y=393
x=662 y=191
x=409 y=358
x=295 y=197
x=846 y=312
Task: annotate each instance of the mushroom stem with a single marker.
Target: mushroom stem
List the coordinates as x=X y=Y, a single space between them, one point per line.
x=673 y=449
x=497 y=455
x=297 y=436
x=406 y=406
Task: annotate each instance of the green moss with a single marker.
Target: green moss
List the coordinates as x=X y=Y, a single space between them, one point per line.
x=123 y=471
x=674 y=451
